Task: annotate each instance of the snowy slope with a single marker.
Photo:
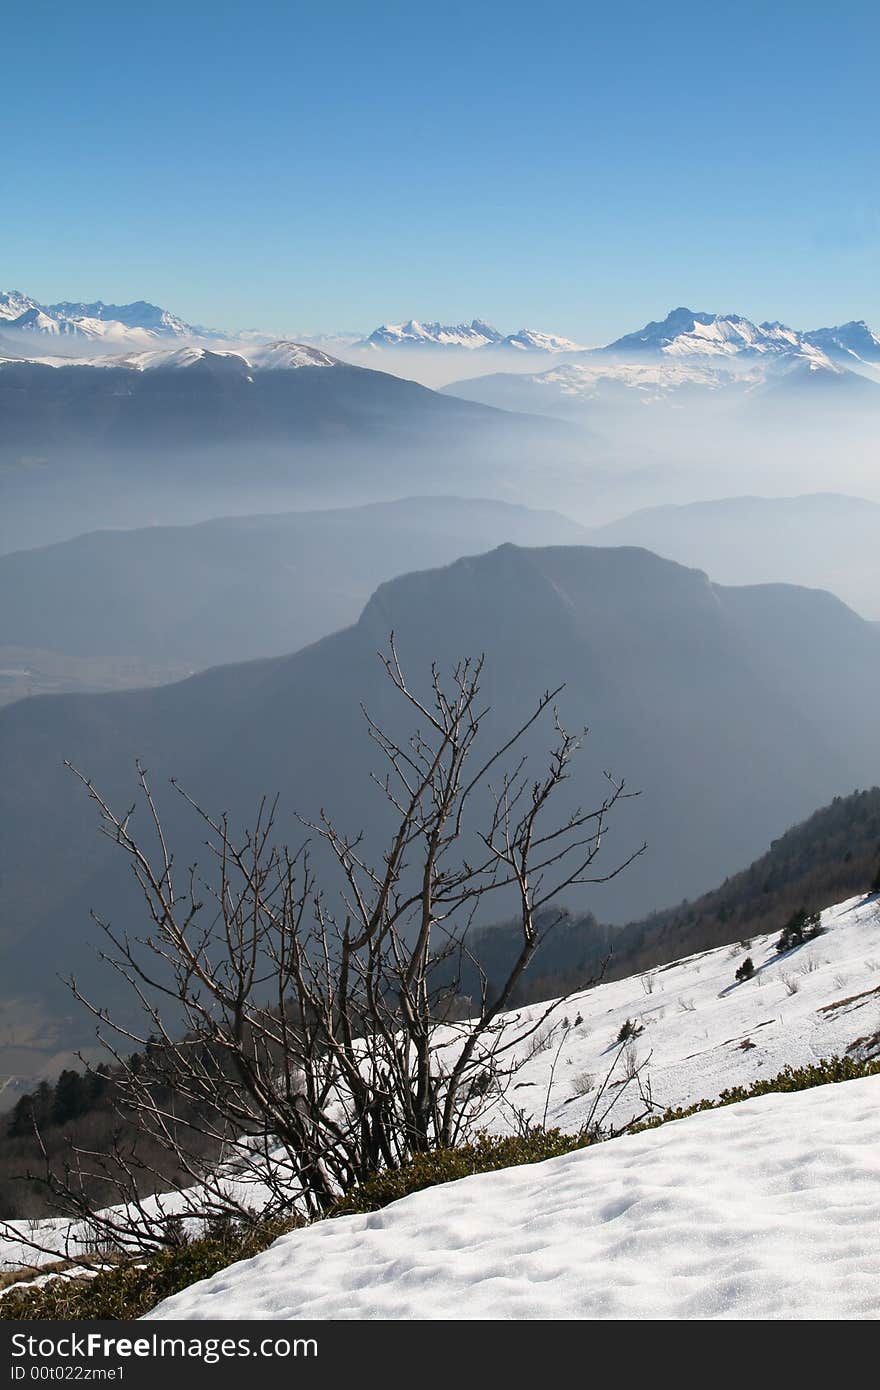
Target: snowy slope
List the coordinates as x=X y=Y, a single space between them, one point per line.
x=261 y=357
x=809 y=1003
x=769 y=1209
x=285 y=355
x=817 y=1001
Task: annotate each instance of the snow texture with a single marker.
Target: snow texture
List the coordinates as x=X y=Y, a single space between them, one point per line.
x=765 y=1210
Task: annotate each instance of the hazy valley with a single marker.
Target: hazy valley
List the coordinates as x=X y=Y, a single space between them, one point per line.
x=207 y=543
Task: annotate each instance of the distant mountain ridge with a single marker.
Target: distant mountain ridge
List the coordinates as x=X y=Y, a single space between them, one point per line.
x=682 y=333
x=823 y=540
x=415 y=334
x=237 y=588
x=476 y=336
x=693 y=355
x=135 y=324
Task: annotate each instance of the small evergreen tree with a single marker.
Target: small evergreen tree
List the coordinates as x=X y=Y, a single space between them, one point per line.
x=21 y=1121
x=71 y=1097
x=33 y=1108
x=800 y=927
x=746 y=970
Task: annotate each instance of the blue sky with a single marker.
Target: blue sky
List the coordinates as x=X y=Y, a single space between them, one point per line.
x=574 y=167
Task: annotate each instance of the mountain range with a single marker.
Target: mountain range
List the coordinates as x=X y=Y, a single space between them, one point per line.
x=683 y=333
x=136 y=324
x=695 y=406
x=688 y=356
x=24 y=320
x=175 y=599
x=734 y=711
x=476 y=336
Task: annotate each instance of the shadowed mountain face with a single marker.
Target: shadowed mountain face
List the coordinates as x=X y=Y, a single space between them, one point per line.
x=823 y=540
x=239 y=587
x=84 y=446
x=216 y=399
x=733 y=710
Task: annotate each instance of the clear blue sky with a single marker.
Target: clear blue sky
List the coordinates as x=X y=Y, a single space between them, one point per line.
x=574 y=167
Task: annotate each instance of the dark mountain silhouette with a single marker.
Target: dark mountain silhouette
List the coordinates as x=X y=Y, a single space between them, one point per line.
x=734 y=711
x=241 y=587
x=216 y=399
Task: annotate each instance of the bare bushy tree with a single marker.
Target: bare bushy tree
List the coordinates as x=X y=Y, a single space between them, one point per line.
x=309 y=1033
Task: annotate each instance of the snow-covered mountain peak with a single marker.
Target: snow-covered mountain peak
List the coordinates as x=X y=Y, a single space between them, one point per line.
x=129 y=325
x=476 y=336
x=13 y=304
x=139 y=314
x=853 y=342
x=684 y=333
x=414 y=333
x=532 y=340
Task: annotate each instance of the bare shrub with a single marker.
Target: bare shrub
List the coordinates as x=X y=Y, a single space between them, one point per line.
x=538 y=1043
x=582 y=1083
x=630 y=1062
x=310 y=1035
